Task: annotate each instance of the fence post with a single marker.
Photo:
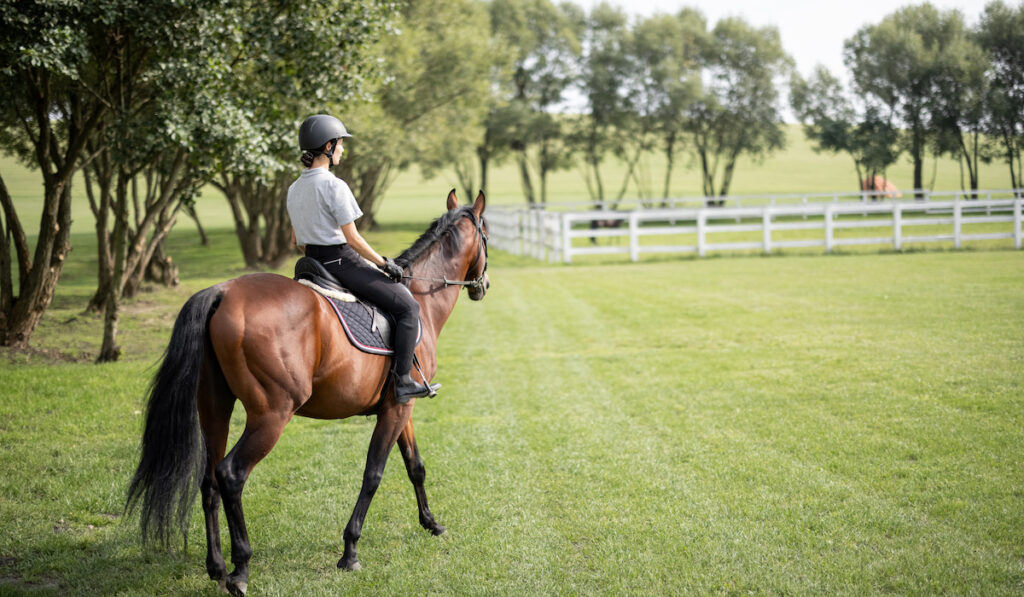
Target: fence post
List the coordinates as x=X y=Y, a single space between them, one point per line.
x=897 y=226
x=634 y=236
x=1017 y=233
x=702 y=217
x=542 y=238
x=566 y=239
x=766 y=223
x=829 y=225
x=520 y=232
x=957 y=222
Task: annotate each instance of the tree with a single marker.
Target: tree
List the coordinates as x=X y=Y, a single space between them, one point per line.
x=429 y=99
x=738 y=112
x=833 y=122
x=287 y=61
x=1001 y=33
x=899 y=63
x=47 y=116
x=665 y=80
x=141 y=172
x=542 y=42
x=604 y=71
x=959 y=104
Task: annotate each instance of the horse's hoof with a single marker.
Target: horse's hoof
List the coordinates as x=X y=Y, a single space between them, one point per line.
x=223 y=585
x=238 y=589
x=438 y=530
x=350 y=567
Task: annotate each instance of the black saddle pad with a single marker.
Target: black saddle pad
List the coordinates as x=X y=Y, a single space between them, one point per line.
x=368 y=328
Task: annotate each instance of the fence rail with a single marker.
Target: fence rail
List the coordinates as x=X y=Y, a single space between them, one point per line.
x=555 y=235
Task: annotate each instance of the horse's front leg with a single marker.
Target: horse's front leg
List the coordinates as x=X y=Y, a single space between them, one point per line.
x=390 y=423
x=417 y=474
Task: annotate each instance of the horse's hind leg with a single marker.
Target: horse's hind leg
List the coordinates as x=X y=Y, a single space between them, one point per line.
x=417 y=474
x=260 y=435
x=215 y=404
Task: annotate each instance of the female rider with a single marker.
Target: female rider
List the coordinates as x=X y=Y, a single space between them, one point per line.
x=323 y=211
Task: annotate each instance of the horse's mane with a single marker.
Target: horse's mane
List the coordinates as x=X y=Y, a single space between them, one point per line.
x=442 y=229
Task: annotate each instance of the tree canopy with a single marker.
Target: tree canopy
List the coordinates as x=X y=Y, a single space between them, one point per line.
x=148 y=101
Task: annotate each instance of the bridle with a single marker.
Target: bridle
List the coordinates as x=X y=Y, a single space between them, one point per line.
x=479 y=281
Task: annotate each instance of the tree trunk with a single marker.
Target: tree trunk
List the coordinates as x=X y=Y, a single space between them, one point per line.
x=670 y=158
x=36 y=287
x=38 y=278
x=631 y=165
x=730 y=167
x=595 y=165
x=101 y=212
x=483 y=155
x=464 y=173
x=708 y=177
x=249 y=245
x=109 y=350
x=1008 y=144
x=267 y=245
x=524 y=177
x=161 y=269
x=543 y=185
x=203 y=239
x=10 y=234
x=917 y=154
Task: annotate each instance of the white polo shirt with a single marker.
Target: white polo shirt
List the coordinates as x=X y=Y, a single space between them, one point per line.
x=319 y=204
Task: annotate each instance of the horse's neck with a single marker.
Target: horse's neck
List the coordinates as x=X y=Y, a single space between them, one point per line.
x=436 y=301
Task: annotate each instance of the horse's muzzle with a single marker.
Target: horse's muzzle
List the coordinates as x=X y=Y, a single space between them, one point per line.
x=477 y=292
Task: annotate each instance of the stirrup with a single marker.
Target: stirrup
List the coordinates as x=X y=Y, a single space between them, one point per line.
x=414 y=390
x=426 y=389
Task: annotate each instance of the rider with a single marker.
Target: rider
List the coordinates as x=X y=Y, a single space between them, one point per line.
x=323 y=211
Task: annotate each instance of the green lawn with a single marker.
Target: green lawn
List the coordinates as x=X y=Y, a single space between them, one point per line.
x=795 y=424
x=799 y=425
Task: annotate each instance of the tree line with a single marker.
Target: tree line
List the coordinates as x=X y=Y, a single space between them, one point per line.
x=924 y=83
x=148 y=102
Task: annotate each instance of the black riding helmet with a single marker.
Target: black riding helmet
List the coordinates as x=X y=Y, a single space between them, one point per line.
x=318 y=130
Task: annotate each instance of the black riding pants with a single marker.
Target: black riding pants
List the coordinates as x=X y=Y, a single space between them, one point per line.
x=369 y=283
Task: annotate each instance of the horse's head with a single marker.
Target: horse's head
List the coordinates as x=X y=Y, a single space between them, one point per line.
x=475 y=252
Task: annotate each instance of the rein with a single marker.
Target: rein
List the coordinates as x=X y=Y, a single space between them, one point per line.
x=473 y=284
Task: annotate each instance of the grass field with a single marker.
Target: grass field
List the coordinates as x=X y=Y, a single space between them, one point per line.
x=847 y=424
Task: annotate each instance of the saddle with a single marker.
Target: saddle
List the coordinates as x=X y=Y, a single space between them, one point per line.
x=368 y=328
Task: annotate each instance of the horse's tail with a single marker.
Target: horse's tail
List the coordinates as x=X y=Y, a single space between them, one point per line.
x=171 y=465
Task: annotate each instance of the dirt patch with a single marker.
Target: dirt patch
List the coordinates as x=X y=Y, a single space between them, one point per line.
x=43 y=583
x=9 y=578
x=44 y=356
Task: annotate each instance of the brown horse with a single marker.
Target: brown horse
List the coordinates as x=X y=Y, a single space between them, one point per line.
x=277 y=347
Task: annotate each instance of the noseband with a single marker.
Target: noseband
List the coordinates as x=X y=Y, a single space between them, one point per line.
x=478 y=282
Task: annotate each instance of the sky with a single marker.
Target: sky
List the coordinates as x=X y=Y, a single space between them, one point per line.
x=812 y=32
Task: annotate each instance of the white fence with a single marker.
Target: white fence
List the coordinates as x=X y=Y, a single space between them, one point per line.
x=554 y=235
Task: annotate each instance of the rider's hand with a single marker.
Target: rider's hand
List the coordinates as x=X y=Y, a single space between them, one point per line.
x=392 y=269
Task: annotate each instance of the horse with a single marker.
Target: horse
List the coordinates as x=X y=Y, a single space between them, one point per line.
x=277 y=347
x=607 y=223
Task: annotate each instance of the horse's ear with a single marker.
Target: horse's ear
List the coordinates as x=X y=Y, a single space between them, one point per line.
x=479 y=204
x=453 y=202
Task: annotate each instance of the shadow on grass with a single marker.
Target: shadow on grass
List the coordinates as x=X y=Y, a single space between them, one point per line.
x=76 y=560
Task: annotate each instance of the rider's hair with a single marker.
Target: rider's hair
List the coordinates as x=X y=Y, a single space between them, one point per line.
x=310 y=154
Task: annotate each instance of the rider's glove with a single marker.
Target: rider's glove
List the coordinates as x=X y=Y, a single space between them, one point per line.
x=392 y=269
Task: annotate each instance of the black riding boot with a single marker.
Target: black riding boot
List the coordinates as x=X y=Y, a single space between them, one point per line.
x=407 y=388
x=406 y=330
